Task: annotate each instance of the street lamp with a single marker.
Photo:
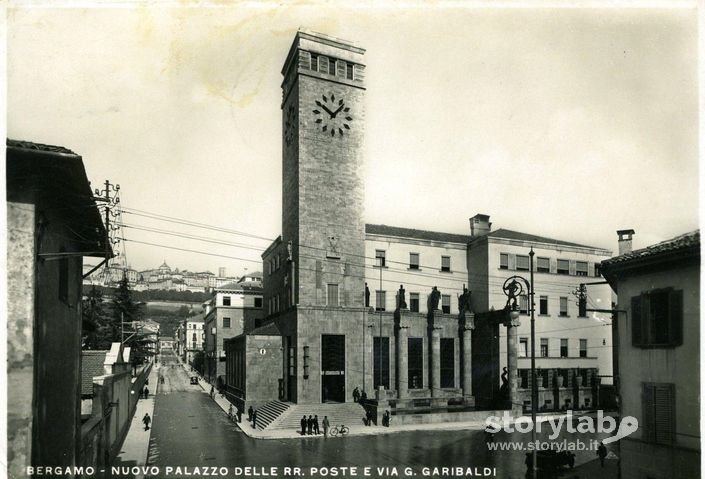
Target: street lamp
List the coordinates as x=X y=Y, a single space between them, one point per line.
x=513 y=287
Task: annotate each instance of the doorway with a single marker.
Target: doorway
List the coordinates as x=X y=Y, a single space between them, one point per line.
x=333 y=368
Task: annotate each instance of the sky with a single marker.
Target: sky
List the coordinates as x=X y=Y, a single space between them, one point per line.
x=569 y=123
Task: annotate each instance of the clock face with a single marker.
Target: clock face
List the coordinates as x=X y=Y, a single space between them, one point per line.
x=332 y=115
x=290 y=125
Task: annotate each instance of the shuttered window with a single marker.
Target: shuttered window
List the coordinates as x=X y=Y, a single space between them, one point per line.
x=414 y=302
x=503 y=261
x=657 y=318
x=659 y=415
x=413 y=261
x=581 y=268
x=445 y=303
x=543 y=265
x=563 y=266
x=522 y=263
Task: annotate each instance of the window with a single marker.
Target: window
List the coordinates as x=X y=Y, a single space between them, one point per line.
x=445 y=263
x=332 y=294
x=544 y=347
x=564 y=348
x=503 y=261
x=523 y=347
x=380 y=257
x=381 y=298
x=349 y=71
x=331 y=66
x=258 y=302
x=226 y=300
x=193 y=339
x=323 y=64
x=381 y=361
x=414 y=302
x=564 y=306
x=597 y=270
x=413 y=261
x=447 y=362
x=276 y=263
x=522 y=263
x=657 y=318
x=226 y=322
x=543 y=265
x=583 y=348
x=581 y=268
x=524 y=304
x=658 y=413
x=415 y=368
x=543 y=305
x=563 y=266
x=445 y=303
x=314 y=62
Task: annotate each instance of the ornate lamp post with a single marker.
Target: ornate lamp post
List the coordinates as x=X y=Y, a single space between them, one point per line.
x=513 y=287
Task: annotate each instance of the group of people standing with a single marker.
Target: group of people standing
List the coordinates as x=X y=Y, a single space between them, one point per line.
x=310 y=425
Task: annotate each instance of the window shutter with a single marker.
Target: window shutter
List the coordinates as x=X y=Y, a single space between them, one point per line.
x=647 y=410
x=637 y=323
x=675 y=318
x=512 y=263
x=554 y=265
x=591 y=269
x=571 y=267
x=664 y=417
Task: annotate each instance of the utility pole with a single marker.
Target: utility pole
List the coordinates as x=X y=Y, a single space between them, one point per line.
x=109 y=197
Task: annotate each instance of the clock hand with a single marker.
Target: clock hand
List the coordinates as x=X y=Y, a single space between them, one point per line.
x=325 y=108
x=333 y=115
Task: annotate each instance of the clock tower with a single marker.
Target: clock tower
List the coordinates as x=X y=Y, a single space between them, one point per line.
x=319 y=306
x=323 y=122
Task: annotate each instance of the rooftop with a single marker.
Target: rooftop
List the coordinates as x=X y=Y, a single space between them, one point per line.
x=416 y=234
x=685 y=242
x=518 y=236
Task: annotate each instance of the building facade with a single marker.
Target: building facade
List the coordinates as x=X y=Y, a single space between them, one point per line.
x=573 y=352
x=51 y=226
x=658 y=355
x=234 y=309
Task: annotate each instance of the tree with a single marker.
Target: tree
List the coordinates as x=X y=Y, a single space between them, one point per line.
x=99 y=329
x=128 y=311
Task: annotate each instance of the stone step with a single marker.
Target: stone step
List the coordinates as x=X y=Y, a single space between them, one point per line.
x=350 y=414
x=270 y=412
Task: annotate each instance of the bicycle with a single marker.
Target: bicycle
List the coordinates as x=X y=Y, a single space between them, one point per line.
x=342 y=430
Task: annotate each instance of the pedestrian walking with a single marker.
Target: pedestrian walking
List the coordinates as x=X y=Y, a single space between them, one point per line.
x=249 y=414
x=315 y=425
x=602 y=453
x=239 y=414
x=146 y=420
x=309 y=424
x=356 y=394
x=212 y=391
x=254 y=420
x=326 y=425
x=146 y=392
x=303 y=425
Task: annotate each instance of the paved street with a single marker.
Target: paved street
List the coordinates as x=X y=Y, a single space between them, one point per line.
x=190 y=430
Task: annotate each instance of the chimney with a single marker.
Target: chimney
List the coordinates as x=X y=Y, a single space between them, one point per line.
x=625 y=241
x=480 y=225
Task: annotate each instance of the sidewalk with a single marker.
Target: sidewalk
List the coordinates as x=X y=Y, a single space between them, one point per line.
x=357 y=430
x=136 y=444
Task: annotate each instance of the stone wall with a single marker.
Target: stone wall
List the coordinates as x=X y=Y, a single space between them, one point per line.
x=20 y=335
